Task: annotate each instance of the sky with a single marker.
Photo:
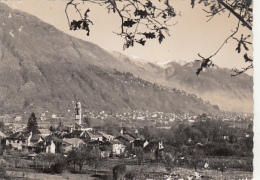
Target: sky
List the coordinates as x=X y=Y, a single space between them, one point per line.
x=191 y=35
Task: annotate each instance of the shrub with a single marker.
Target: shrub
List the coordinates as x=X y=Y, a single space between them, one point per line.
x=119 y=171
x=2 y=169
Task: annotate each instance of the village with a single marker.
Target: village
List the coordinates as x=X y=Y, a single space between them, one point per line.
x=73 y=136
x=134 y=138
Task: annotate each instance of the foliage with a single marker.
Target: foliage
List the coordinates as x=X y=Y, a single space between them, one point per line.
x=137 y=17
x=242 y=11
x=32 y=125
x=56 y=163
x=59 y=164
x=2 y=169
x=169 y=161
x=87 y=120
x=119 y=171
x=77 y=156
x=94 y=158
x=52 y=129
x=195 y=157
x=137 y=173
x=142 y=20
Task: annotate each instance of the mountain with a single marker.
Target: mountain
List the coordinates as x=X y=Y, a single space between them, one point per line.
x=214 y=85
x=43 y=68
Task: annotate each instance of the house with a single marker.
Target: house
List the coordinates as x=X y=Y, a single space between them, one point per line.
x=191 y=121
x=106 y=137
x=91 y=136
x=43 y=117
x=53 y=116
x=154 y=146
x=2 y=138
x=133 y=133
x=81 y=127
x=45 y=146
x=51 y=148
x=139 y=144
x=68 y=144
x=52 y=144
x=44 y=132
x=105 y=150
x=75 y=134
x=116 y=146
x=2 y=135
x=126 y=139
x=17 y=140
x=23 y=141
x=18 y=118
x=32 y=141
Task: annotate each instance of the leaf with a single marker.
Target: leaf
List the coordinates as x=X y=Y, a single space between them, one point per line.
x=205 y=63
x=74 y=25
x=160 y=37
x=141 y=41
x=149 y=4
x=141 y=13
x=85 y=26
x=86 y=13
x=239 y=47
x=164 y=16
x=192 y=3
x=247 y=59
x=150 y=35
x=171 y=12
x=246 y=48
x=129 y=23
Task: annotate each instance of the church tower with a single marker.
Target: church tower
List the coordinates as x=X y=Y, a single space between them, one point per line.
x=78 y=112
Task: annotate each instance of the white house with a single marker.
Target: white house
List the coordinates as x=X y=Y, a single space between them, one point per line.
x=68 y=144
x=51 y=148
x=117 y=147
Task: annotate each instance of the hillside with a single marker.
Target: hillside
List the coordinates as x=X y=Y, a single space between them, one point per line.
x=214 y=85
x=44 y=69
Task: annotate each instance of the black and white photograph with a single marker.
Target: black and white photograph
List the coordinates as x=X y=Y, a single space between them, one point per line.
x=128 y=90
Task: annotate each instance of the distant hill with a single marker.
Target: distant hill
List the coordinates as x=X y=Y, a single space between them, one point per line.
x=214 y=85
x=43 y=68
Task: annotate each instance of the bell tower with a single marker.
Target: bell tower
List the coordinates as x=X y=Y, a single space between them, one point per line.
x=78 y=112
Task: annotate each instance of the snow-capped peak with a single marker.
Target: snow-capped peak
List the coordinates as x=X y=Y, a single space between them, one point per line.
x=164 y=63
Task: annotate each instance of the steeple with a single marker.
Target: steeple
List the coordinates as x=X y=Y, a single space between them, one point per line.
x=78 y=112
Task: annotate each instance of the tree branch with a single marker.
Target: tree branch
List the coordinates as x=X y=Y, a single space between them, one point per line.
x=235 y=14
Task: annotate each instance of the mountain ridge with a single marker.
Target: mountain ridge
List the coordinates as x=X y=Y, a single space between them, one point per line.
x=46 y=68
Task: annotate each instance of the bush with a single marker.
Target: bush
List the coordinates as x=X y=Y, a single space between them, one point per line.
x=2 y=169
x=224 y=151
x=59 y=164
x=119 y=171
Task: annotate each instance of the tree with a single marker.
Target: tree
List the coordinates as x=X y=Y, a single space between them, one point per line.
x=119 y=171
x=87 y=120
x=242 y=11
x=2 y=169
x=145 y=19
x=195 y=156
x=32 y=125
x=78 y=156
x=140 y=20
x=94 y=158
x=169 y=161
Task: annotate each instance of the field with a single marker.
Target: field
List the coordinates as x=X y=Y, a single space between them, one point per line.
x=144 y=171
x=177 y=173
